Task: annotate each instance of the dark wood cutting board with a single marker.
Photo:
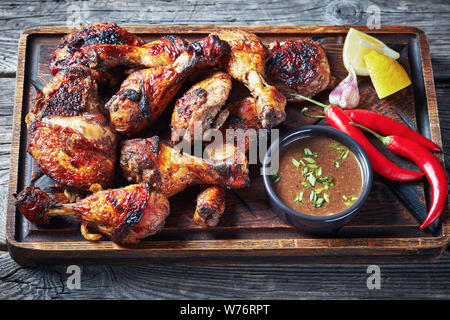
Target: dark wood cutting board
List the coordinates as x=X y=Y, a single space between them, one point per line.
x=385 y=230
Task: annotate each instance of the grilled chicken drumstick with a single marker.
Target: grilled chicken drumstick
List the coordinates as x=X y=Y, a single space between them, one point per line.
x=210 y=206
x=126 y=215
x=202 y=104
x=170 y=172
x=156 y=53
x=145 y=94
x=298 y=66
x=246 y=63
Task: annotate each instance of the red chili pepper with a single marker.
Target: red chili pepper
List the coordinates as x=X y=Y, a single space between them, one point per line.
x=433 y=169
x=337 y=118
x=386 y=126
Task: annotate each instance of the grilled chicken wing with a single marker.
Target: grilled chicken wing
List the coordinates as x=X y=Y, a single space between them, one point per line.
x=210 y=206
x=76 y=152
x=125 y=215
x=70 y=50
x=71 y=92
x=157 y=53
x=246 y=63
x=298 y=66
x=171 y=172
x=145 y=94
x=202 y=104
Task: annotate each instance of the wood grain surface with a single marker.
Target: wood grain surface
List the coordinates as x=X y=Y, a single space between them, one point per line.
x=430 y=280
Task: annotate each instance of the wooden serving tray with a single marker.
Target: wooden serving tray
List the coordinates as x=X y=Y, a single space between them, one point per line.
x=385 y=230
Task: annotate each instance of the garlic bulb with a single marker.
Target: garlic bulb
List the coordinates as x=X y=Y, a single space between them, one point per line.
x=346 y=94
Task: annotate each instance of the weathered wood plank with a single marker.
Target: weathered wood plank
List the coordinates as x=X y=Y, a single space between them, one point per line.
x=398 y=281
x=16 y=16
x=6 y=110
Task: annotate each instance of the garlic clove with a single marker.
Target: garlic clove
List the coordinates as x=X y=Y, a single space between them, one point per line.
x=346 y=94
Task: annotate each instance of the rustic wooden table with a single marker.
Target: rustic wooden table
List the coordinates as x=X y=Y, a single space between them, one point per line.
x=424 y=280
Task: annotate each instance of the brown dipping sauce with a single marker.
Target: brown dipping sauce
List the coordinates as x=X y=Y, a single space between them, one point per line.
x=321 y=166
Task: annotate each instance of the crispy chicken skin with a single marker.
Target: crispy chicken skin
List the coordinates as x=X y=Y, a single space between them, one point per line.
x=146 y=93
x=156 y=53
x=70 y=49
x=71 y=92
x=126 y=215
x=69 y=138
x=203 y=103
x=171 y=172
x=298 y=66
x=246 y=63
x=210 y=206
x=243 y=114
x=76 y=152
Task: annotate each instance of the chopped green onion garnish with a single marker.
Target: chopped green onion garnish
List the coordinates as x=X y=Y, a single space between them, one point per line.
x=304 y=171
x=299 y=197
x=323 y=180
x=295 y=163
x=310 y=160
x=319 y=190
x=336 y=163
x=308 y=152
x=344 y=155
x=344 y=197
x=312 y=166
x=337 y=147
x=306 y=184
x=319 y=202
x=353 y=198
x=348 y=203
x=319 y=172
x=275 y=177
x=326 y=197
x=312 y=179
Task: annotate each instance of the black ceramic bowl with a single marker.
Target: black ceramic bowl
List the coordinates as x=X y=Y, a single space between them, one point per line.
x=317 y=224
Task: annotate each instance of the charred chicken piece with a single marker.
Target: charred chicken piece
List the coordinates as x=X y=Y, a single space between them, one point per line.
x=298 y=66
x=201 y=105
x=171 y=171
x=145 y=94
x=126 y=215
x=70 y=49
x=243 y=122
x=157 y=53
x=210 y=206
x=76 y=152
x=246 y=63
x=71 y=92
x=243 y=114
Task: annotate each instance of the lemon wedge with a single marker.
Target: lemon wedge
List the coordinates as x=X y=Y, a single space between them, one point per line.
x=387 y=75
x=357 y=44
